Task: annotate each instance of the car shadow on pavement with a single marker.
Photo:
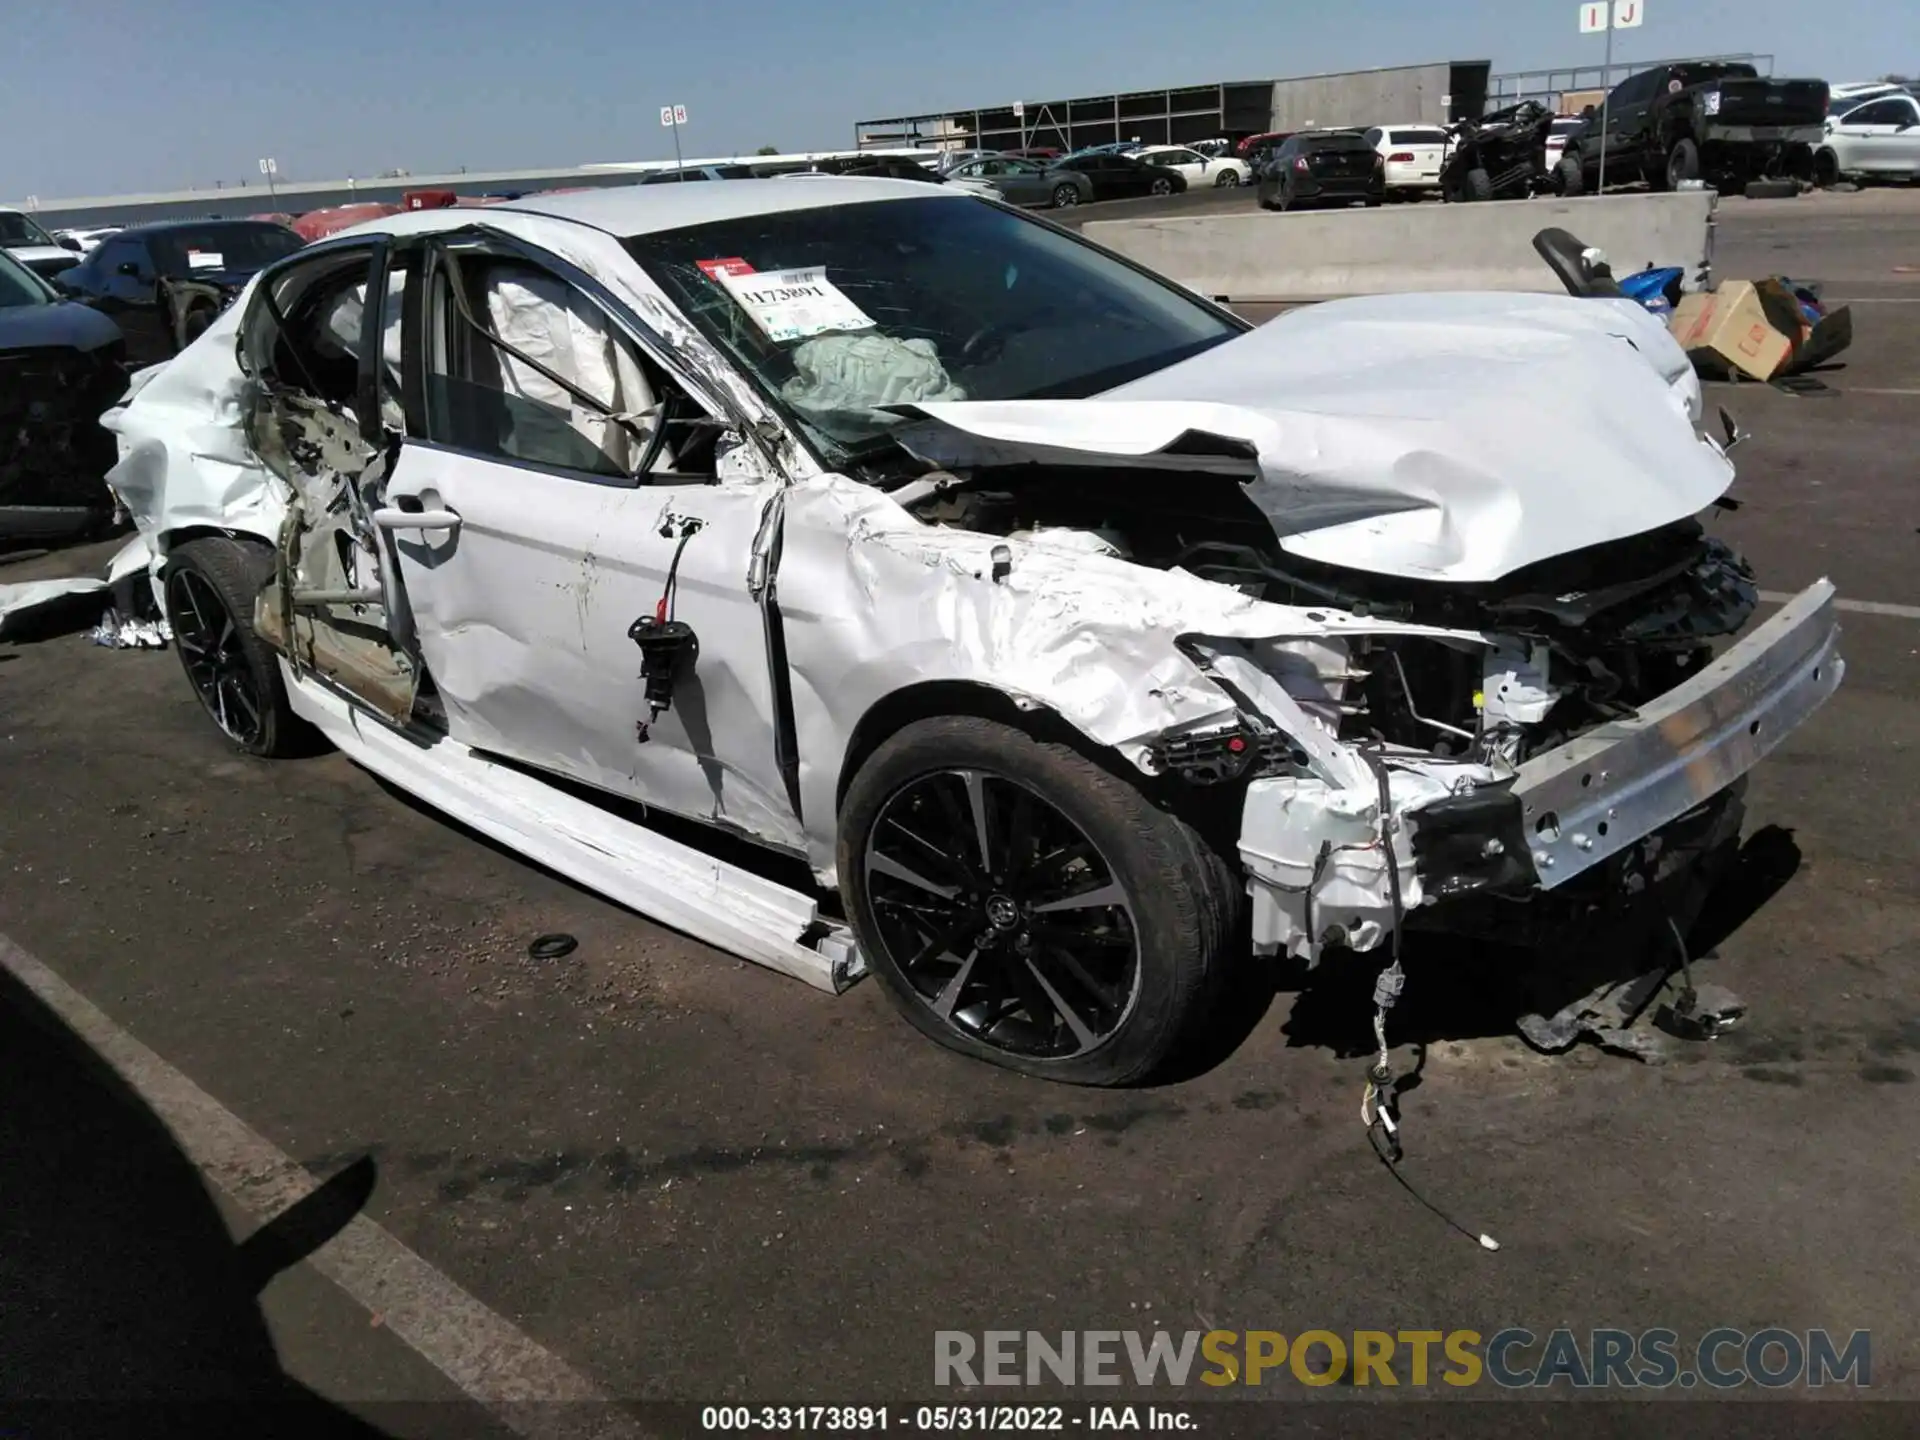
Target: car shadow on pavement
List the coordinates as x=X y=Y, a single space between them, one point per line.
x=1466 y=989
x=125 y=1306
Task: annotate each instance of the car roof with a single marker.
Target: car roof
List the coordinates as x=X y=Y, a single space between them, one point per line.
x=155 y=227
x=627 y=210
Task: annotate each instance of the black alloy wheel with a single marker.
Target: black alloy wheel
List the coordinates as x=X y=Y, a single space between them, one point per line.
x=216 y=663
x=1065 y=196
x=1162 y=186
x=1004 y=918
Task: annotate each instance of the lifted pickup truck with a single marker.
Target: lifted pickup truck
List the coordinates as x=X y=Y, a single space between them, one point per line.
x=1716 y=121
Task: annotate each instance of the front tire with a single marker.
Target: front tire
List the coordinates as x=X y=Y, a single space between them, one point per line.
x=1826 y=169
x=210 y=586
x=1572 y=177
x=1023 y=906
x=1228 y=179
x=1683 y=164
x=1162 y=187
x=1065 y=197
x=1479 y=185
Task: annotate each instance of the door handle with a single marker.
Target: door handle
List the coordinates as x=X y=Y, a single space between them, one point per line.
x=442 y=519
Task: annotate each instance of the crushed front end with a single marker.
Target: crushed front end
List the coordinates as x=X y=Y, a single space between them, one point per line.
x=1574 y=740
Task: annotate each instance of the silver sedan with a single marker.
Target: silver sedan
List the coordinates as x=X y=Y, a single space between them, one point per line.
x=1025 y=182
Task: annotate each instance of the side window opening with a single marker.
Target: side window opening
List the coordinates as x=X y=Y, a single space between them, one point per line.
x=527 y=368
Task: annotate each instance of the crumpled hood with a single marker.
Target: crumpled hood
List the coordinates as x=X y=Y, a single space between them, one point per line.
x=1443 y=437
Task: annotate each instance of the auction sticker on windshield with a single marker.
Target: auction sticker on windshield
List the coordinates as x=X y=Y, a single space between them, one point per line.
x=793 y=304
x=205 y=259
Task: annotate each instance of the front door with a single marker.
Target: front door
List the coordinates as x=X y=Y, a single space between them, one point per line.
x=540 y=512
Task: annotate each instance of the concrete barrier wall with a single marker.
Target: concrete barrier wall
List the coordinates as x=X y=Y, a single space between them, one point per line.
x=1321 y=254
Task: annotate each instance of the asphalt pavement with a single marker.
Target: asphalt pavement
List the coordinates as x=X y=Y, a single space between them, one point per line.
x=683 y=1178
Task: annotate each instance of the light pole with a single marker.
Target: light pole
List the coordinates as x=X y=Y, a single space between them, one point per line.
x=270 y=167
x=1609 y=15
x=673 y=117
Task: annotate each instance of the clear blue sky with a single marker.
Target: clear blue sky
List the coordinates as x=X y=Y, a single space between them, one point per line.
x=106 y=96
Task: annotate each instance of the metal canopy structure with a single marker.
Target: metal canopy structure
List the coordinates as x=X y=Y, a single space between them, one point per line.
x=1171 y=115
x=1546 y=85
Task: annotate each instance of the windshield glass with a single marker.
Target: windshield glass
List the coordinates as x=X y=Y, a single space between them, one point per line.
x=18 y=228
x=20 y=286
x=842 y=310
x=183 y=249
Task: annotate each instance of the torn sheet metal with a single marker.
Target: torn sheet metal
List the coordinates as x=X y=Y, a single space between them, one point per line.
x=1437 y=437
x=876 y=602
x=184 y=459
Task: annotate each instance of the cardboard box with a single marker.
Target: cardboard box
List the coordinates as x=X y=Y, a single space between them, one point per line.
x=1729 y=332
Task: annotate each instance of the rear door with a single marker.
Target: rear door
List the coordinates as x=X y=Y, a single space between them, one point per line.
x=121 y=282
x=556 y=497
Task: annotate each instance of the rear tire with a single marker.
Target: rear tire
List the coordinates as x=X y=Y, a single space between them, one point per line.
x=1683 y=164
x=1572 y=177
x=1228 y=179
x=1826 y=169
x=1479 y=185
x=210 y=587
x=1162 y=187
x=978 y=951
x=195 y=323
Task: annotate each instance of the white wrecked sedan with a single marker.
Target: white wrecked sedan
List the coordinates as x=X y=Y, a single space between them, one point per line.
x=1059 y=640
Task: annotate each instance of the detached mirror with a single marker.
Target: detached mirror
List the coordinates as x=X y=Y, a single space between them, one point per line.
x=67 y=242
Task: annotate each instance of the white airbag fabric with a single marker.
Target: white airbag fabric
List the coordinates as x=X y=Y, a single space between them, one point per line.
x=858 y=373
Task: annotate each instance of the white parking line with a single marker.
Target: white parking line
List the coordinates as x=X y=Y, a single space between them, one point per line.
x=1855 y=607
x=489 y=1358
x=1868 y=390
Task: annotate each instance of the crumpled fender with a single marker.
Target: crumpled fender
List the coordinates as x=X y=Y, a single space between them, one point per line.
x=874 y=602
x=184 y=459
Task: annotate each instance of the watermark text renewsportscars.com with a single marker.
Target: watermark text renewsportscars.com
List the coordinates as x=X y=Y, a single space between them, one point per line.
x=1512 y=1358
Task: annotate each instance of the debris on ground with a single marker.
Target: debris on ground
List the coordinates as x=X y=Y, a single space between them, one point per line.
x=26 y=605
x=123 y=632
x=1606 y=1016
x=1760 y=330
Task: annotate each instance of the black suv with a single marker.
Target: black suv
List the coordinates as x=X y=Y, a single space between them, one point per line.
x=1699 y=120
x=165 y=283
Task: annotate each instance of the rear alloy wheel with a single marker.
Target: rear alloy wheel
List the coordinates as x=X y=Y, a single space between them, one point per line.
x=1228 y=179
x=1024 y=906
x=1065 y=196
x=1163 y=186
x=195 y=323
x=210 y=588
